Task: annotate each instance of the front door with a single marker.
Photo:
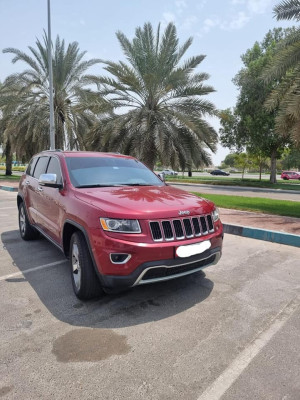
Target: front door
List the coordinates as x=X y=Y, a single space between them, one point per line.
x=52 y=203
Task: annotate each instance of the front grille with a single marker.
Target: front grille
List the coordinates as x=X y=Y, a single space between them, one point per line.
x=162 y=272
x=181 y=228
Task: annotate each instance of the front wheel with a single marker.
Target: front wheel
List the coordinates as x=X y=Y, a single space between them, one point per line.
x=85 y=281
x=27 y=231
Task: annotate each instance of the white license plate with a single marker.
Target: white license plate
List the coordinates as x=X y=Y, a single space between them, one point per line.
x=193 y=249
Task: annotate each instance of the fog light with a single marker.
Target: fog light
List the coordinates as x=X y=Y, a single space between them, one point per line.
x=119 y=258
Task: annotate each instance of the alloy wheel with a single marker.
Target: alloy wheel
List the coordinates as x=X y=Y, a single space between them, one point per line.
x=76 y=266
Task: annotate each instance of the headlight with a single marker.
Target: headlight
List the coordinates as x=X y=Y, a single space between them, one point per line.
x=216 y=215
x=120 y=225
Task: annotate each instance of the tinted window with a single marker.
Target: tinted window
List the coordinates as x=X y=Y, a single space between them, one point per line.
x=54 y=168
x=40 y=167
x=31 y=165
x=110 y=171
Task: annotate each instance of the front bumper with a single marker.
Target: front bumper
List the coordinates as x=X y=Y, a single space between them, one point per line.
x=162 y=270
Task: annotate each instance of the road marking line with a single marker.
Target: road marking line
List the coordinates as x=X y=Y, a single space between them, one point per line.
x=217 y=389
x=26 y=271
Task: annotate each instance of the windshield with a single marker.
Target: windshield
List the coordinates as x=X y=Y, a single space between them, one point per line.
x=109 y=171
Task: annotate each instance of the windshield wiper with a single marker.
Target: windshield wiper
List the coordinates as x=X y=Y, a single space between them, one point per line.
x=95 y=186
x=137 y=184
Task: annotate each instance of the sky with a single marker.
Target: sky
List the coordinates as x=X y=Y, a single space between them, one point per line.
x=221 y=29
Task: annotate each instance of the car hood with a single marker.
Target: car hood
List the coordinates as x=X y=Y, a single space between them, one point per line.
x=144 y=202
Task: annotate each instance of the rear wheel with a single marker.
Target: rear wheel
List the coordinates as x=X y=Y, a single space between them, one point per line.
x=85 y=281
x=27 y=231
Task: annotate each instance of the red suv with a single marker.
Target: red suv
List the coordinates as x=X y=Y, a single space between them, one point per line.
x=116 y=221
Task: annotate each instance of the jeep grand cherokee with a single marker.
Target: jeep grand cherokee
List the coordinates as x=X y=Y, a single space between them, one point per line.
x=115 y=220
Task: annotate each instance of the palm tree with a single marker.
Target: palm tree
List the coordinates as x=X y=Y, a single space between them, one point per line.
x=4 y=141
x=288 y=9
x=75 y=103
x=14 y=124
x=158 y=102
x=285 y=70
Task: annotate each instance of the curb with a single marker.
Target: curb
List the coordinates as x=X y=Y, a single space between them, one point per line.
x=8 y=188
x=263 y=234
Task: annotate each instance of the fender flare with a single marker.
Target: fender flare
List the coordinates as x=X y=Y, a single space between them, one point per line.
x=84 y=232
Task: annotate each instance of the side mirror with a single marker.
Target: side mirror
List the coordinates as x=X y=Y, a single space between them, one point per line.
x=161 y=176
x=49 y=180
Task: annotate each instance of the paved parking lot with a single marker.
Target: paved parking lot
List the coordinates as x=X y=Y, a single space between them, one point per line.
x=231 y=333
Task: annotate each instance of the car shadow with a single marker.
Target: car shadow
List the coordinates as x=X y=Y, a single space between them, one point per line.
x=139 y=305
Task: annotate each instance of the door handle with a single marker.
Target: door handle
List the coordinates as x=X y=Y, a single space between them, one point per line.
x=27 y=182
x=40 y=189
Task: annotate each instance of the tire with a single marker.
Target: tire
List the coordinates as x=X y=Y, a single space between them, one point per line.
x=27 y=231
x=85 y=281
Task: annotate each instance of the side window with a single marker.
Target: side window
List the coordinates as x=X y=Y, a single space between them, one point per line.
x=54 y=168
x=40 y=167
x=31 y=165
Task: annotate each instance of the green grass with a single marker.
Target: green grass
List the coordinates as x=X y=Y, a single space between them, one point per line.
x=256 y=204
x=231 y=181
x=9 y=178
x=14 y=168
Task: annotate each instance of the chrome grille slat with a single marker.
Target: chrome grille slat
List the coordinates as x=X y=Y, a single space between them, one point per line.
x=196 y=226
x=188 y=228
x=210 y=223
x=181 y=228
x=156 y=231
x=203 y=225
x=167 y=229
x=178 y=229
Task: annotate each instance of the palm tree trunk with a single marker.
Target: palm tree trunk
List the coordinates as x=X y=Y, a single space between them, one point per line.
x=8 y=155
x=149 y=155
x=150 y=162
x=273 y=167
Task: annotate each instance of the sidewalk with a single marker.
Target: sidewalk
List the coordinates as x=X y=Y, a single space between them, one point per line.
x=262 y=221
x=271 y=228
x=10 y=186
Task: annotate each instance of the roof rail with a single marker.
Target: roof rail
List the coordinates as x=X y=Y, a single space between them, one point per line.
x=44 y=151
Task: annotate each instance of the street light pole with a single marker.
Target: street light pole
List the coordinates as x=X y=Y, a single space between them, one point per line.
x=52 y=137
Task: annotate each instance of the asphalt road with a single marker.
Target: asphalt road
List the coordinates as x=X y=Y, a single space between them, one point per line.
x=242 y=191
x=232 y=333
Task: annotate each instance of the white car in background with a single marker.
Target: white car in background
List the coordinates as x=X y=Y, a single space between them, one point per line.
x=169 y=172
